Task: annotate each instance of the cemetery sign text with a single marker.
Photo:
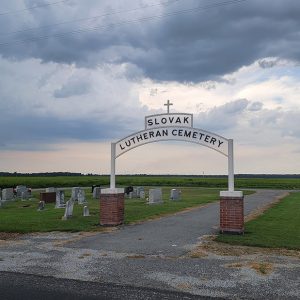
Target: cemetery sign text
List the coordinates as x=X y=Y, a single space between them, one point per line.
x=166 y=127
x=173 y=127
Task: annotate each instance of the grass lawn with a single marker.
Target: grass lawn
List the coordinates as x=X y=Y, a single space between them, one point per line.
x=22 y=216
x=278 y=227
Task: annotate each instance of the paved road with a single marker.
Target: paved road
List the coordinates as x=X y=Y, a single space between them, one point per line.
x=16 y=286
x=173 y=235
x=144 y=260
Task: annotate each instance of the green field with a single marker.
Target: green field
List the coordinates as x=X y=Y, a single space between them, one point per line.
x=278 y=227
x=22 y=216
x=143 y=180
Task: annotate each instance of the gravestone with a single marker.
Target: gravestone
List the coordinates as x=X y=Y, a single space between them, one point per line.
x=139 y=189
x=142 y=194
x=130 y=195
x=41 y=205
x=94 y=186
x=50 y=190
x=86 y=212
x=68 y=210
x=60 y=199
x=96 y=192
x=20 y=189
x=75 y=191
x=7 y=194
x=81 y=197
x=128 y=189
x=24 y=195
x=175 y=195
x=155 y=196
x=134 y=193
x=48 y=197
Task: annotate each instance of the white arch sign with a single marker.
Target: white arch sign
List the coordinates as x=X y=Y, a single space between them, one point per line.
x=176 y=127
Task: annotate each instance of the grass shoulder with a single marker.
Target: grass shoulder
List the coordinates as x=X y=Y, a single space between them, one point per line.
x=278 y=227
x=23 y=217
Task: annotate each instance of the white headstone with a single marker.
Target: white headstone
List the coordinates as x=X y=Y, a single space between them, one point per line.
x=50 y=190
x=96 y=192
x=69 y=209
x=60 y=199
x=175 y=194
x=155 y=196
x=7 y=194
x=81 y=197
x=130 y=195
x=75 y=191
x=142 y=194
x=86 y=212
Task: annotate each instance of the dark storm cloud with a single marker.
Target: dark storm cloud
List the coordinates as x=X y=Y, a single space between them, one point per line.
x=207 y=43
x=223 y=117
x=37 y=133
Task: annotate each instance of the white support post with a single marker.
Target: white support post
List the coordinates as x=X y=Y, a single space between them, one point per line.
x=230 y=166
x=113 y=166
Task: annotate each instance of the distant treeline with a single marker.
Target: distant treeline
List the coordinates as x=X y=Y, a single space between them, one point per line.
x=57 y=174
x=47 y=174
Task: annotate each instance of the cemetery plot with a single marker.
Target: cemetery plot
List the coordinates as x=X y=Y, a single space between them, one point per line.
x=32 y=216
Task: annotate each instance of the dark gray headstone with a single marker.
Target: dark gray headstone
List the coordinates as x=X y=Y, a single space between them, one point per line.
x=41 y=205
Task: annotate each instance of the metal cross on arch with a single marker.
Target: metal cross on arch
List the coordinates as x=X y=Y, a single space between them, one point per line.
x=168 y=104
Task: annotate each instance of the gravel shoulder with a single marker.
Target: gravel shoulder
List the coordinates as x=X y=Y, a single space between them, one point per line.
x=161 y=254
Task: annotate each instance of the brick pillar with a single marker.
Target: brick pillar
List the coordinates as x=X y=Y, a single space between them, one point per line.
x=232 y=212
x=112 y=207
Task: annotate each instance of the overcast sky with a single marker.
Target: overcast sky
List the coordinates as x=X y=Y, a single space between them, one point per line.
x=76 y=75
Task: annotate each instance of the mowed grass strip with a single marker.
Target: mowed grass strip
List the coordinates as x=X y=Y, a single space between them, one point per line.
x=278 y=227
x=139 y=210
x=23 y=217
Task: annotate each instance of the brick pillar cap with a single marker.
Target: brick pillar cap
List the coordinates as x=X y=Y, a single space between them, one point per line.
x=112 y=191
x=237 y=194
